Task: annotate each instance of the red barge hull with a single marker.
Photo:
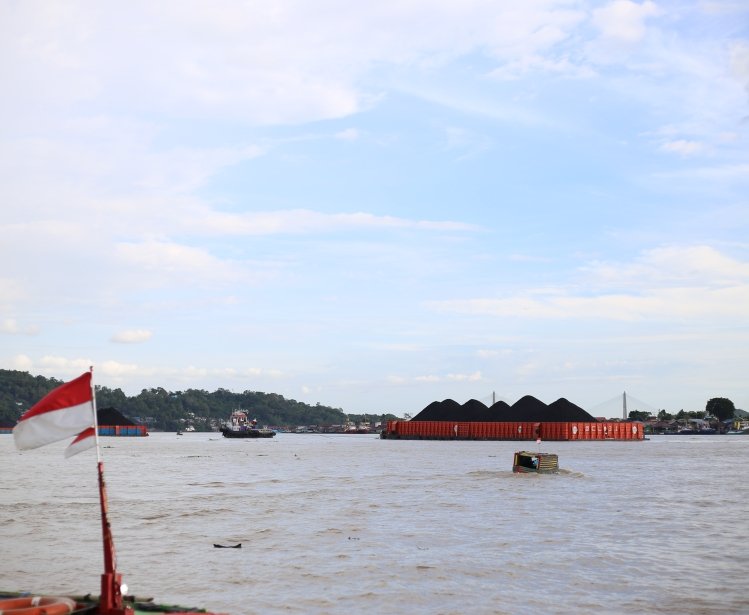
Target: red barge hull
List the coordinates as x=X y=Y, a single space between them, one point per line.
x=511 y=430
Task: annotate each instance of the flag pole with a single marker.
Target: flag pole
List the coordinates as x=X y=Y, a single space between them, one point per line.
x=96 y=416
x=110 y=601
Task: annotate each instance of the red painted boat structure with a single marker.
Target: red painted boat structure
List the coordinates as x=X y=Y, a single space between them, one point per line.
x=512 y=430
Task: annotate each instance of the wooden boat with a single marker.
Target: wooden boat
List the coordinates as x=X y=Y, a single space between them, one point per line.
x=536 y=463
x=26 y=603
x=239 y=427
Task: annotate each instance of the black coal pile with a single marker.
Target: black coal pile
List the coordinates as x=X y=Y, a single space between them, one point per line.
x=527 y=408
x=112 y=416
x=567 y=411
x=474 y=411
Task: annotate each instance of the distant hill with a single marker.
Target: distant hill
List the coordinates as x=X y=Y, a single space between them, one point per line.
x=160 y=409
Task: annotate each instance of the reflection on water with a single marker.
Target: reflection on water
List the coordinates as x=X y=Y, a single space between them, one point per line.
x=354 y=524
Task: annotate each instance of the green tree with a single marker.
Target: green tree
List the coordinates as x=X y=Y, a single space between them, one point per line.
x=665 y=416
x=638 y=415
x=720 y=407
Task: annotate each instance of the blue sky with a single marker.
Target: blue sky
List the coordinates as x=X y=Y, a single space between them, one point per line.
x=375 y=207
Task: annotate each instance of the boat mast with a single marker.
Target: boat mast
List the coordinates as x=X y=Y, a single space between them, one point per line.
x=112 y=587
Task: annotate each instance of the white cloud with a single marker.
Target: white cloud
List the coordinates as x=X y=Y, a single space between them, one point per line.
x=307 y=221
x=562 y=66
x=667 y=284
x=723 y=6
x=436 y=378
x=9 y=325
x=472 y=377
x=145 y=156
x=116 y=370
x=350 y=134
x=740 y=63
x=65 y=363
x=169 y=261
x=738 y=172
x=466 y=143
x=285 y=63
x=673 y=266
x=682 y=147
x=426 y=379
x=624 y=20
x=22 y=363
x=186 y=169
x=132 y=336
x=111 y=372
x=485 y=353
x=52 y=366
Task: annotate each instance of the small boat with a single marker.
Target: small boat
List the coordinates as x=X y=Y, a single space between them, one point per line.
x=239 y=427
x=35 y=604
x=356 y=428
x=537 y=463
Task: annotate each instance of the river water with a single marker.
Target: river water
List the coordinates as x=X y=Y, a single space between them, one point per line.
x=353 y=524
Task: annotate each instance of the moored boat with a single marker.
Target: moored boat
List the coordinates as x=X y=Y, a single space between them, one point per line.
x=537 y=463
x=239 y=426
x=356 y=428
x=740 y=427
x=27 y=603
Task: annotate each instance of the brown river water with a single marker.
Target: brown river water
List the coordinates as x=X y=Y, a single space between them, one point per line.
x=353 y=524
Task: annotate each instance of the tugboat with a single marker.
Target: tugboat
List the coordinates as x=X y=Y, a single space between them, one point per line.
x=356 y=428
x=536 y=463
x=239 y=427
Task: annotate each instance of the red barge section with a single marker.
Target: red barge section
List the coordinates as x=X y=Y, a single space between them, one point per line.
x=464 y=430
x=527 y=419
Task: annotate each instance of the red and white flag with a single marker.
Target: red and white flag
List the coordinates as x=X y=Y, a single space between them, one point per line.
x=66 y=411
x=85 y=440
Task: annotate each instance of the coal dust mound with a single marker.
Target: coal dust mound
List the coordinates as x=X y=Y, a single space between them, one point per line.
x=527 y=408
x=112 y=416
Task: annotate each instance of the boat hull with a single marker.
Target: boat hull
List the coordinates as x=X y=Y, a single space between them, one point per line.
x=512 y=430
x=89 y=605
x=526 y=462
x=248 y=433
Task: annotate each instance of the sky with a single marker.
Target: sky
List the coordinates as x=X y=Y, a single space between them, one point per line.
x=373 y=206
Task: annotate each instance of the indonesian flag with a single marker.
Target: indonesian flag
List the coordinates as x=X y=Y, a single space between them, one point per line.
x=85 y=440
x=66 y=411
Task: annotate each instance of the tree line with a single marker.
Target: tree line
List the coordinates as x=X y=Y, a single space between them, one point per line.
x=721 y=408
x=163 y=410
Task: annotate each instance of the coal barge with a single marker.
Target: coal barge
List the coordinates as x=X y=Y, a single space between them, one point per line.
x=111 y=422
x=527 y=419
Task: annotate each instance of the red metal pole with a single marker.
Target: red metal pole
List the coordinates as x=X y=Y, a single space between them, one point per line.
x=110 y=601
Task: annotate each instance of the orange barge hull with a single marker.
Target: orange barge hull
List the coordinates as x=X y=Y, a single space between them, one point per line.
x=457 y=430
